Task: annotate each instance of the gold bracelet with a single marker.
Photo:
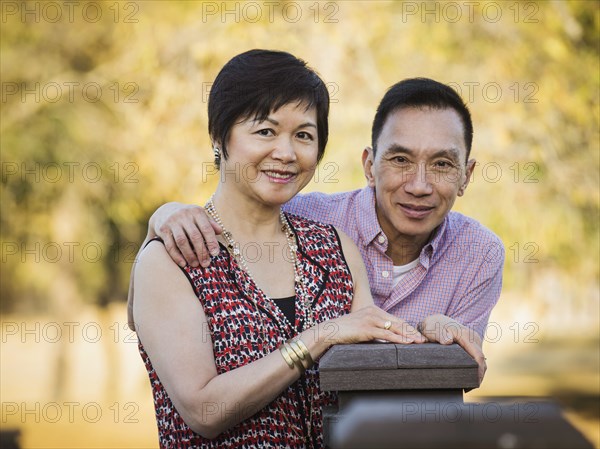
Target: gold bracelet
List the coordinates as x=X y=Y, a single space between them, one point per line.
x=286 y=357
x=299 y=344
x=305 y=350
x=296 y=347
x=291 y=354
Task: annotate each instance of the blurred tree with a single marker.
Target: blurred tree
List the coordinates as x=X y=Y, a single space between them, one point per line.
x=101 y=122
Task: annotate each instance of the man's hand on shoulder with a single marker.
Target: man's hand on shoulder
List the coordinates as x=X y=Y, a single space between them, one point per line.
x=188 y=233
x=444 y=330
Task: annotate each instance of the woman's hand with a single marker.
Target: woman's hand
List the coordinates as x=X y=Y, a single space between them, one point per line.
x=444 y=330
x=188 y=233
x=368 y=324
x=365 y=322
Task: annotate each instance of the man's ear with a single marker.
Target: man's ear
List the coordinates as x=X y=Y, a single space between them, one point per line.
x=468 y=173
x=368 y=159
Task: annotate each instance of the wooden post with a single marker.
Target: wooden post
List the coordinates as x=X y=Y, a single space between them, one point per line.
x=407 y=368
x=411 y=396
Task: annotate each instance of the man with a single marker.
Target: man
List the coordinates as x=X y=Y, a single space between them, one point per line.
x=433 y=268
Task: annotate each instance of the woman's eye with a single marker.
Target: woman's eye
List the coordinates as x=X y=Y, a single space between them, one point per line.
x=305 y=136
x=265 y=132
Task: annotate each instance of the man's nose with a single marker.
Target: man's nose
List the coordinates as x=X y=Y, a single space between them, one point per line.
x=417 y=181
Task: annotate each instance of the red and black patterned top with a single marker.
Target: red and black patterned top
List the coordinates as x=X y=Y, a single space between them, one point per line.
x=244 y=330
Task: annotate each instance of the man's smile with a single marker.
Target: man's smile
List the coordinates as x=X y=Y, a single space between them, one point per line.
x=416 y=210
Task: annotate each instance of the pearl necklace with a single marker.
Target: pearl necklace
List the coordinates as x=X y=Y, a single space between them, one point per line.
x=234 y=248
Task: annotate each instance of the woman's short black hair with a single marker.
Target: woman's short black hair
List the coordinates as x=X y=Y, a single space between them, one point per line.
x=421 y=93
x=257 y=82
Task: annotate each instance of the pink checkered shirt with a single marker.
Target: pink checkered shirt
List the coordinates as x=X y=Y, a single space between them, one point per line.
x=459 y=272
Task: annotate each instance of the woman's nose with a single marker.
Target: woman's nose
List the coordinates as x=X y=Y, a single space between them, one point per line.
x=284 y=150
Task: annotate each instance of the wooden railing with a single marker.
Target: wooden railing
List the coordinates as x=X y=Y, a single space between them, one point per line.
x=411 y=396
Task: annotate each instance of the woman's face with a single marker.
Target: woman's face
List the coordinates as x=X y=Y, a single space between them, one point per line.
x=272 y=160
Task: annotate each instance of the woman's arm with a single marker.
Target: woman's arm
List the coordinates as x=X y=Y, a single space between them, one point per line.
x=130 y=320
x=172 y=326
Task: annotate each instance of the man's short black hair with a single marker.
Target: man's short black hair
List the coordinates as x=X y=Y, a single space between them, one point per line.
x=421 y=93
x=257 y=82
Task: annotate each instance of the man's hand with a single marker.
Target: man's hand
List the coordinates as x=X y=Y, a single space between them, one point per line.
x=444 y=330
x=188 y=232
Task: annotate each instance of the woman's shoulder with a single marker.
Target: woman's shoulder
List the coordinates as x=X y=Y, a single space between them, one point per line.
x=155 y=266
x=156 y=279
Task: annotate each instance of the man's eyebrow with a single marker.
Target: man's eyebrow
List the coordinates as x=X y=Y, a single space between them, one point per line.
x=451 y=152
x=395 y=148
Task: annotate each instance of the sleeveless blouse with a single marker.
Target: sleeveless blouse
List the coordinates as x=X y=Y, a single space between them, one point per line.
x=245 y=325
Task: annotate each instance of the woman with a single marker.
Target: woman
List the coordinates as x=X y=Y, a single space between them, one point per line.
x=230 y=348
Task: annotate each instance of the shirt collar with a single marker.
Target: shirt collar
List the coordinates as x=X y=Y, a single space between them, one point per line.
x=368 y=215
x=440 y=236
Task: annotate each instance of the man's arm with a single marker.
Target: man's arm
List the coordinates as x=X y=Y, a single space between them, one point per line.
x=474 y=304
x=468 y=316
x=189 y=234
x=187 y=231
x=444 y=330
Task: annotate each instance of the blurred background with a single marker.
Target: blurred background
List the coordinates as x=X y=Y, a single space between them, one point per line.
x=104 y=118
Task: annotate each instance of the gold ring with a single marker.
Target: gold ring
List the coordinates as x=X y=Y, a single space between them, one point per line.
x=387 y=325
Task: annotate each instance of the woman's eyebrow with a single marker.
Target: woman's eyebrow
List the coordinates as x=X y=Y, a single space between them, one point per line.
x=276 y=123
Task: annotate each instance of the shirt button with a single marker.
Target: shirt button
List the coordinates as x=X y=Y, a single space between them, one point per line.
x=385 y=273
x=381 y=239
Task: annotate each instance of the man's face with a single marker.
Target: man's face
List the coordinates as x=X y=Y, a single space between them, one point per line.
x=418 y=171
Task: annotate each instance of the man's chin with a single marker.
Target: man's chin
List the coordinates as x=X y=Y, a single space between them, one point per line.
x=414 y=229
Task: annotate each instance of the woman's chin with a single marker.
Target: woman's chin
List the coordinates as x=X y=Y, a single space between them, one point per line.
x=279 y=196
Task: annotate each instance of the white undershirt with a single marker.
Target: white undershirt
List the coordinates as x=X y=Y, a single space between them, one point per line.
x=401 y=271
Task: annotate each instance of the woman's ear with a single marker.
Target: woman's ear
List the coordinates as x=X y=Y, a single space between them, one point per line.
x=217 y=152
x=368 y=159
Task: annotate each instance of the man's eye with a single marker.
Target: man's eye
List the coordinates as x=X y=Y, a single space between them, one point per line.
x=400 y=160
x=443 y=164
